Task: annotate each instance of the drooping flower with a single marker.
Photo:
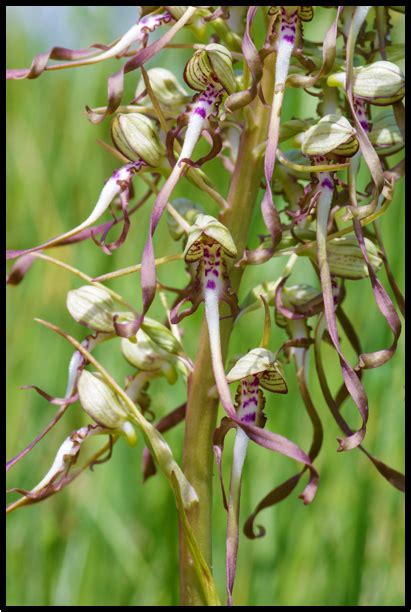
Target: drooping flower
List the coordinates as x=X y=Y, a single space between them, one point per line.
x=381 y=83
x=136 y=137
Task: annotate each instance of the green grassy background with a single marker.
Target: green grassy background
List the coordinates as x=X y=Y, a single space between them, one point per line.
x=107 y=539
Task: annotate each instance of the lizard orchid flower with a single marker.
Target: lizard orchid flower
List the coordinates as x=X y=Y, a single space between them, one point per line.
x=136 y=137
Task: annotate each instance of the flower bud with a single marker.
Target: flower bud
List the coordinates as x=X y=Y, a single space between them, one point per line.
x=385 y=134
x=103 y=405
x=165 y=86
x=298 y=296
x=161 y=336
x=148 y=357
x=291 y=128
x=211 y=64
x=345 y=258
x=188 y=210
x=381 y=83
x=263 y=363
x=302 y=299
x=136 y=137
x=206 y=229
x=331 y=136
x=92 y=306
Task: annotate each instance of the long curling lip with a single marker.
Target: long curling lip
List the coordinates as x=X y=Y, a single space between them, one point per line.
x=110 y=190
x=137 y=33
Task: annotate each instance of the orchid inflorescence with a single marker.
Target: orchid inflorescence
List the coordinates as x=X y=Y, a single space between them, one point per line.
x=326 y=218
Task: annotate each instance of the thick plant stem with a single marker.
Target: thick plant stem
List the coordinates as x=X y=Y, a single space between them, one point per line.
x=201 y=415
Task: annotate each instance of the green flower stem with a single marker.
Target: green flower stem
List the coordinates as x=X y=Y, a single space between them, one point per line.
x=201 y=415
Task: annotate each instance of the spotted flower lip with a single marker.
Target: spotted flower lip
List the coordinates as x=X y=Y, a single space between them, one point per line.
x=333 y=134
x=206 y=226
x=261 y=362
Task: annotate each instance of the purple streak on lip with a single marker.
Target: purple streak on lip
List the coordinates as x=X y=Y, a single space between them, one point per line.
x=210 y=284
x=248 y=418
x=289 y=38
x=327 y=183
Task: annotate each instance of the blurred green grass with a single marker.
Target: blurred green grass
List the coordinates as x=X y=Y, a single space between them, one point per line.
x=107 y=539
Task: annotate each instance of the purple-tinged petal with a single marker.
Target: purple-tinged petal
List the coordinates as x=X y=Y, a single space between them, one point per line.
x=395 y=478
x=37 y=439
x=57 y=401
x=274 y=497
x=19 y=270
x=329 y=49
x=218 y=448
x=238 y=100
x=41 y=60
x=386 y=307
x=391 y=279
x=111 y=246
x=351 y=379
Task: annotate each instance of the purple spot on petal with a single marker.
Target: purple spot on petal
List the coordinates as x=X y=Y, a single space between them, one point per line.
x=364 y=125
x=289 y=38
x=200 y=111
x=248 y=418
x=327 y=183
x=215 y=272
x=210 y=284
